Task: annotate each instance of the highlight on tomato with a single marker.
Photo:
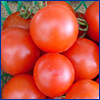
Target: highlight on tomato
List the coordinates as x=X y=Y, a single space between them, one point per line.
x=21 y=87
x=83 y=89
x=54 y=29
x=53 y=72
x=92 y=18
x=18 y=51
x=84 y=55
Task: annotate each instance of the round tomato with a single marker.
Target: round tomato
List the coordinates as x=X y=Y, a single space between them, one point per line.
x=53 y=74
x=84 y=55
x=15 y=20
x=18 y=51
x=92 y=18
x=83 y=89
x=21 y=87
x=54 y=28
x=97 y=80
x=63 y=3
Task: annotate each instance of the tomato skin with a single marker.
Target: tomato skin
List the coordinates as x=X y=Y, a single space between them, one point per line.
x=84 y=55
x=92 y=18
x=97 y=80
x=18 y=51
x=14 y=20
x=63 y=3
x=52 y=71
x=21 y=87
x=52 y=32
x=84 y=89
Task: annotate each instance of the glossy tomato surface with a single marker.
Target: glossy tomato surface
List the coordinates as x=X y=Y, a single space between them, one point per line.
x=83 y=89
x=54 y=28
x=84 y=55
x=63 y=3
x=53 y=74
x=21 y=87
x=18 y=51
x=92 y=18
x=14 y=20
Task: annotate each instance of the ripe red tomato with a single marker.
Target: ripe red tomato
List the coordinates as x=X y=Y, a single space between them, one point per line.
x=83 y=89
x=97 y=80
x=84 y=55
x=53 y=74
x=92 y=18
x=63 y=3
x=54 y=28
x=18 y=51
x=14 y=20
x=21 y=87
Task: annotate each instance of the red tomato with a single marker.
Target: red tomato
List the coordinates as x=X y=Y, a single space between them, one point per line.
x=21 y=87
x=84 y=55
x=83 y=89
x=54 y=28
x=63 y=3
x=53 y=74
x=97 y=80
x=18 y=51
x=92 y=18
x=14 y=20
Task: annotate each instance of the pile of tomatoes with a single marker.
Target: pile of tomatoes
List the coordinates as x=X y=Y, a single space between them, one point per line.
x=46 y=55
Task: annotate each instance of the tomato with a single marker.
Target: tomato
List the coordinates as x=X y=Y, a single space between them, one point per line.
x=14 y=20
x=18 y=51
x=21 y=87
x=53 y=74
x=92 y=18
x=97 y=80
x=63 y=3
x=54 y=28
x=84 y=55
x=83 y=89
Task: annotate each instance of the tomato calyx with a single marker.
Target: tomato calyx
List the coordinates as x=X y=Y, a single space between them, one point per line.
x=83 y=26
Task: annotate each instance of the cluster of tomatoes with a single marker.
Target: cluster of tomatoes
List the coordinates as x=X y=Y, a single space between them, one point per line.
x=46 y=55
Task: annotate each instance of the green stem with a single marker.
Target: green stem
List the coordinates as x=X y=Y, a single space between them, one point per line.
x=81 y=22
x=40 y=4
x=26 y=14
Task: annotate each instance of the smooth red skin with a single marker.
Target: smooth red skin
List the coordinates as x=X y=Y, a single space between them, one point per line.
x=53 y=74
x=84 y=55
x=97 y=80
x=21 y=87
x=92 y=18
x=14 y=20
x=63 y=3
x=18 y=51
x=54 y=28
x=84 y=89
